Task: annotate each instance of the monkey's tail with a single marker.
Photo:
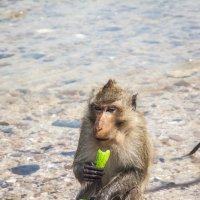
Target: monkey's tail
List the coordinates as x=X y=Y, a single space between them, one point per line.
x=194 y=150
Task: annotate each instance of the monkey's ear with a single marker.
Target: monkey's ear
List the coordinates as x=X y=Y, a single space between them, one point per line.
x=134 y=101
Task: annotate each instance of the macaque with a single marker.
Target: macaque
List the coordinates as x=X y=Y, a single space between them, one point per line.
x=112 y=122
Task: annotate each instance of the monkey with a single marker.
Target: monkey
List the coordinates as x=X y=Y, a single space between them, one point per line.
x=112 y=122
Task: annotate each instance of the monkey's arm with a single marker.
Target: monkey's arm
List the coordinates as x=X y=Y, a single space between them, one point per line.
x=121 y=185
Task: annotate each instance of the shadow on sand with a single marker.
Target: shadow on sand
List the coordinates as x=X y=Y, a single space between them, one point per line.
x=173 y=185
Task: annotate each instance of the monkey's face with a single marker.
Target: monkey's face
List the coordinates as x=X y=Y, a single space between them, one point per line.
x=104 y=121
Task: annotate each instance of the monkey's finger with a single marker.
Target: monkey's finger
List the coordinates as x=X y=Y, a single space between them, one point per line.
x=93 y=172
x=89 y=163
x=92 y=176
x=93 y=168
x=89 y=180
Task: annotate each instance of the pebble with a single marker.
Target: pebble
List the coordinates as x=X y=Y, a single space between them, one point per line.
x=3 y=123
x=70 y=153
x=28 y=118
x=23 y=90
x=67 y=123
x=176 y=138
x=46 y=148
x=66 y=82
x=162 y=160
x=7 y=130
x=182 y=83
x=3 y=184
x=5 y=55
x=165 y=141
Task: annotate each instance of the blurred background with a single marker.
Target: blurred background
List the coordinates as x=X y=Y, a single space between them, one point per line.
x=52 y=53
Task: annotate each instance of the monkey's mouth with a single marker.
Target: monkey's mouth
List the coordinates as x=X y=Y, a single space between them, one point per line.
x=101 y=139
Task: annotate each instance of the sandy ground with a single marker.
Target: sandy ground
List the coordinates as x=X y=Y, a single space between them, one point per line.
x=39 y=134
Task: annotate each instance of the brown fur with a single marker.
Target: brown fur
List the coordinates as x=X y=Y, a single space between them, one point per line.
x=130 y=147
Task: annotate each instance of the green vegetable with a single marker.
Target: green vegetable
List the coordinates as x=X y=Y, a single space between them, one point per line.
x=102 y=158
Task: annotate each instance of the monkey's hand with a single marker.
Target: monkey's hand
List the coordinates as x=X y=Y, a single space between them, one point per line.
x=91 y=173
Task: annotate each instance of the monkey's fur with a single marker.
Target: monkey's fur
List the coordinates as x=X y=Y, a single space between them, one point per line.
x=127 y=171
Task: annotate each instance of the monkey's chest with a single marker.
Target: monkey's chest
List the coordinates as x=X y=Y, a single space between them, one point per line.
x=110 y=171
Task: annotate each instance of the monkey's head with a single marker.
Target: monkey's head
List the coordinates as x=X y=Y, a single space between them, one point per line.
x=107 y=108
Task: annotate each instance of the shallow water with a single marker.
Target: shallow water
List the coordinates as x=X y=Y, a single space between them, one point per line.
x=88 y=41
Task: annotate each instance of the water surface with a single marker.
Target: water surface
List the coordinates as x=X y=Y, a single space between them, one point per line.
x=89 y=41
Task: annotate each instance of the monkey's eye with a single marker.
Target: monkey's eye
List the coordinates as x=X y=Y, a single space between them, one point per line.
x=111 y=110
x=97 y=108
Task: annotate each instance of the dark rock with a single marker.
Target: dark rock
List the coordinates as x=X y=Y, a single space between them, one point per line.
x=3 y=184
x=69 y=153
x=183 y=188
x=156 y=180
x=146 y=113
x=5 y=55
x=47 y=147
x=7 y=130
x=70 y=81
x=177 y=120
x=182 y=83
x=67 y=123
x=25 y=169
x=2 y=123
x=162 y=160
x=28 y=118
x=23 y=90
x=165 y=141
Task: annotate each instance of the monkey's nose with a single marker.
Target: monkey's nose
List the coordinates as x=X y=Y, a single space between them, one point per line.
x=98 y=128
